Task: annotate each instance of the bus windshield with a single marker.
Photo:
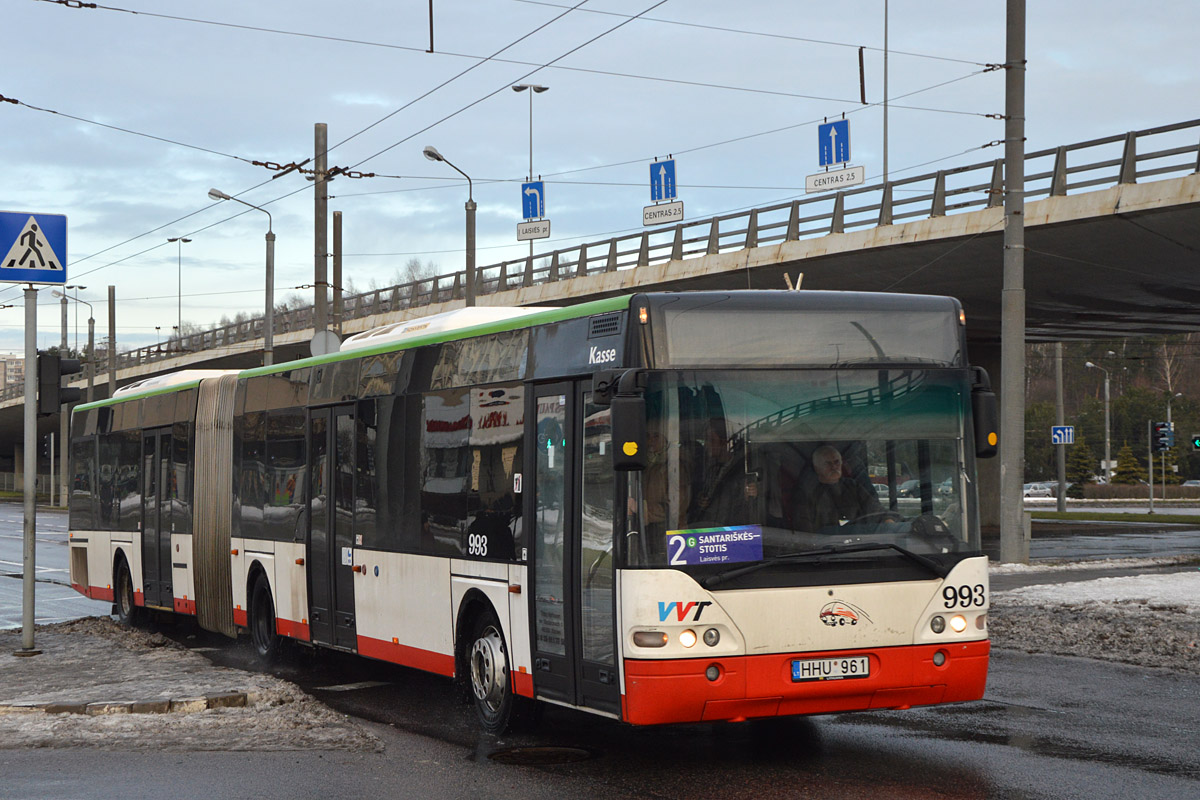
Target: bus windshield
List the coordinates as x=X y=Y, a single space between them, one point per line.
x=750 y=465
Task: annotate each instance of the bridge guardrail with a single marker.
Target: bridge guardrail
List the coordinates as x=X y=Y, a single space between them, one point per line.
x=1121 y=158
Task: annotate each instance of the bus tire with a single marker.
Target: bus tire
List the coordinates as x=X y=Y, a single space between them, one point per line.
x=488 y=668
x=124 y=605
x=267 y=642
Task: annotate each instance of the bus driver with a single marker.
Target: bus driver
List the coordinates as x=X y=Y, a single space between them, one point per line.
x=833 y=498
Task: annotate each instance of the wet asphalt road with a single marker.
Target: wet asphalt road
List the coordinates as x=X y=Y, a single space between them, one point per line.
x=1049 y=727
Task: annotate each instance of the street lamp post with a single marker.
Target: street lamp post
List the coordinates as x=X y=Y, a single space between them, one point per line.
x=533 y=89
x=179 y=267
x=91 y=361
x=433 y=155
x=1107 y=435
x=77 y=289
x=269 y=311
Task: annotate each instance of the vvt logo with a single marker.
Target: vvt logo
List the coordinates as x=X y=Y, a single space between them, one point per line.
x=681 y=609
x=598 y=356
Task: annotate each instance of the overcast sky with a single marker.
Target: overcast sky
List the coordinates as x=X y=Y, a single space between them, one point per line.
x=222 y=83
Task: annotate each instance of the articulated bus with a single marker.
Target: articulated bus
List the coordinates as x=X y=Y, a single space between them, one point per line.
x=661 y=508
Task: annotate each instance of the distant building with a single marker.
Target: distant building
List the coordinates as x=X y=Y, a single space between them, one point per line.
x=12 y=370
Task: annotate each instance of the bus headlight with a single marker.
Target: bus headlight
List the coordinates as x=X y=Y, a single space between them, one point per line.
x=937 y=624
x=688 y=638
x=711 y=637
x=958 y=623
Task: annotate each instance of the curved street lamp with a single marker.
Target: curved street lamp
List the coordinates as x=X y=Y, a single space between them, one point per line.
x=1107 y=437
x=433 y=155
x=269 y=311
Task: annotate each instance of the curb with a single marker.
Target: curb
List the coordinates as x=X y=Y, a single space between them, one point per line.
x=175 y=705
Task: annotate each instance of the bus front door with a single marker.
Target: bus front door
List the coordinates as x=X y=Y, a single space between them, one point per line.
x=571 y=507
x=330 y=548
x=156 y=519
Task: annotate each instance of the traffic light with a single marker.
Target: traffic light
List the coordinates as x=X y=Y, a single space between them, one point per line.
x=1163 y=438
x=51 y=394
x=1196 y=441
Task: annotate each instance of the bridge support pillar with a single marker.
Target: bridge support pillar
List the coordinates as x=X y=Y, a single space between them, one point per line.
x=988 y=469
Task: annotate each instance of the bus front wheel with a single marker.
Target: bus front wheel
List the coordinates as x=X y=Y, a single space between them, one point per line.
x=488 y=667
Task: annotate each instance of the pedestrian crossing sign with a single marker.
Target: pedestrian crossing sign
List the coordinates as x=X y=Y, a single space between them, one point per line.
x=34 y=247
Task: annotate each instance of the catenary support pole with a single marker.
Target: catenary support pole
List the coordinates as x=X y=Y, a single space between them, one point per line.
x=1013 y=546
x=321 y=231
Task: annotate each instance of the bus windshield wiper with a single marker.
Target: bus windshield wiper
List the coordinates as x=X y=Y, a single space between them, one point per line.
x=832 y=550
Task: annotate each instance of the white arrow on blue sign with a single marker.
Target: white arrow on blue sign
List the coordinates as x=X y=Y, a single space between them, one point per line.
x=33 y=246
x=662 y=181
x=833 y=143
x=533 y=200
x=1062 y=434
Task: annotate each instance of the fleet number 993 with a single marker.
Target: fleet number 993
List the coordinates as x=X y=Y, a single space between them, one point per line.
x=965 y=596
x=477 y=544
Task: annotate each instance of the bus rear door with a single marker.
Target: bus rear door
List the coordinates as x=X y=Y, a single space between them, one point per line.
x=156 y=518
x=330 y=549
x=570 y=505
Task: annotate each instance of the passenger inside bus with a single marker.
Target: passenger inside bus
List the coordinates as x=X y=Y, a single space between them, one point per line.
x=728 y=492
x=830 y=497
x=665 y=500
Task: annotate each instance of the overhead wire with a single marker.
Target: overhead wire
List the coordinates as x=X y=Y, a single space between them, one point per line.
x=765 y=34
x=552 y=64
x=564 y=67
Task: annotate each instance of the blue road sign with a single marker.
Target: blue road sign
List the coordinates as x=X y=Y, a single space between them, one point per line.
x=833 y=143
x=662 y=181
x=533 y=199
x=1062 y=434
x=33 y=246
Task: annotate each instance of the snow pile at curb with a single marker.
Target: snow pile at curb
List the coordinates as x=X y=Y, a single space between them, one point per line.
x=98 y=670
x=1146 y=620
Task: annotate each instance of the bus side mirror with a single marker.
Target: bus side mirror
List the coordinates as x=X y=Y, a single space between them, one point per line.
x=629 y=432
x=986 y=415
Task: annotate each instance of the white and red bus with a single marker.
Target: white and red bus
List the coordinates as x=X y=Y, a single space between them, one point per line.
x=612 y=506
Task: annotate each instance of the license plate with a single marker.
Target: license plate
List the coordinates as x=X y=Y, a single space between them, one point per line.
x=830 y=669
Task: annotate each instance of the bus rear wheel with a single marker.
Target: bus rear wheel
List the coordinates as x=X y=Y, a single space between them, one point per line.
x=262 y=621
x=124 y=605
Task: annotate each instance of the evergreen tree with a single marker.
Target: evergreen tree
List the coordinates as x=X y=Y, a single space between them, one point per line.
x=1081 y=464
x=1128 y=470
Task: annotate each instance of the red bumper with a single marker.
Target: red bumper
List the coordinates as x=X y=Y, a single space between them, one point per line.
x=658 y=692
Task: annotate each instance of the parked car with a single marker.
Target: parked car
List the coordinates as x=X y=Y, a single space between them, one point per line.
x=946 y=486
x=909 y=489
x=1191 y=483
x=1038 y=490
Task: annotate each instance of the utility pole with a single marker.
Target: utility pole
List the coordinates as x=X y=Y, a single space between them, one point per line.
x=337 y=272
x=1013 y=546
x=321 y=230
x=112 y=340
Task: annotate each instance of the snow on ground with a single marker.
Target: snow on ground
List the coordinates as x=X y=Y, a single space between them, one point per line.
x=1177 y=589
x=1146 y=620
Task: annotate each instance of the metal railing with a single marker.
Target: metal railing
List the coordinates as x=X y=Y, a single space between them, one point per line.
x=1053 y=172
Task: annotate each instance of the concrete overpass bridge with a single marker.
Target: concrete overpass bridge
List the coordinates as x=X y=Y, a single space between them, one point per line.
x=1112 y=238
